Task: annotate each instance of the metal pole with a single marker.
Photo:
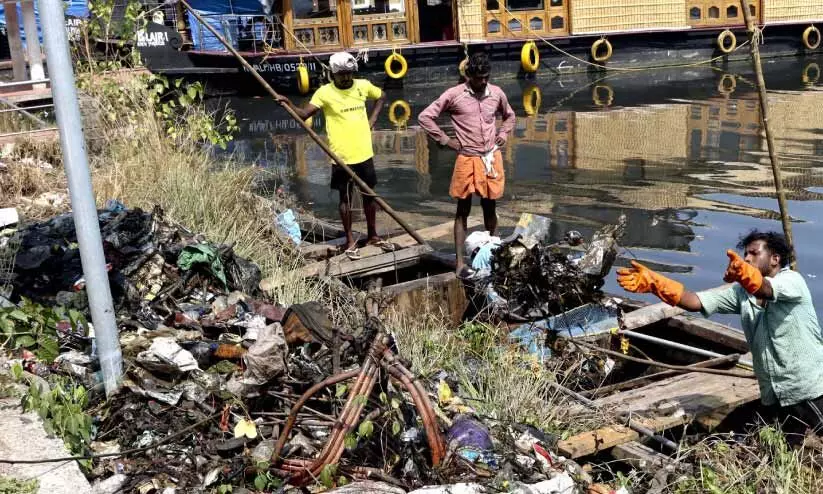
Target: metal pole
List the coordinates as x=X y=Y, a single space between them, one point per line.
x=32 y=41
x=680 y=346
x=754 y=43
x=67 y=111
x=363 y=187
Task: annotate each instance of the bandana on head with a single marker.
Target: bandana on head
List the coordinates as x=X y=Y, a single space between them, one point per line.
x=342 y=62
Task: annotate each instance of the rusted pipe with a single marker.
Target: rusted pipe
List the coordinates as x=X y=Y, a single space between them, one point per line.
x=432 y=432
x=281 y=441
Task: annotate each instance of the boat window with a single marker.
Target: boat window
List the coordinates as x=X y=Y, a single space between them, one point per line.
x=314 y=9
x=558 y=22
x=524 y=4
x=731 y=12
x=515 y=25
x=557 y=3
x=493 y=27
x=714 y=13
x=536 y=24
x=695 y=14
x=492 y=5
x=370 y=7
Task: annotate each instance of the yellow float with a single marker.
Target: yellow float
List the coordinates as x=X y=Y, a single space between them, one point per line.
x=303 y=79
x=601 y=57
x=811 y=38
x=389 y=66
x=532 y=98
x=726 y=41
x=405 y=112
x=529 y=57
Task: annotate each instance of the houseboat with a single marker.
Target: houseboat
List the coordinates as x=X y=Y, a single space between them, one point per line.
x=425 y=41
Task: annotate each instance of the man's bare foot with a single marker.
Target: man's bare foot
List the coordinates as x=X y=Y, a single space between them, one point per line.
x=375 y=241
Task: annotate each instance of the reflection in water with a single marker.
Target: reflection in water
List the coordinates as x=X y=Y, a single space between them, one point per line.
x=680 y=153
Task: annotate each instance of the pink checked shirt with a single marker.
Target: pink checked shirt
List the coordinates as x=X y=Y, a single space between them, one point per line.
x=473 y=118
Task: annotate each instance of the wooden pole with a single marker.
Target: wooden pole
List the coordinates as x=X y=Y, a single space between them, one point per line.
x=18 y=58
x=36 y=72
x=363 y=187
x=754 y=43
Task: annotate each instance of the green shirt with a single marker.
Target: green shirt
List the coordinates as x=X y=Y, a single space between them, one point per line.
x=784 y=337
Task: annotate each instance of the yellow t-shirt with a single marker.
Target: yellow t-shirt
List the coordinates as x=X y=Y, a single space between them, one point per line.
x=347 y=123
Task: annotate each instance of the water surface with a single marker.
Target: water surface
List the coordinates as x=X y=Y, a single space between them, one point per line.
x=679 y=151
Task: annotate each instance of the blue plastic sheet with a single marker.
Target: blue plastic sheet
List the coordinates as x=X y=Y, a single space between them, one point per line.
x=74 y=8
x=224 y=18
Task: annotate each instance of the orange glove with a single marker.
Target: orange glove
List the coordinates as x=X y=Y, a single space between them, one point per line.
x=640 y=279
x=742 y=272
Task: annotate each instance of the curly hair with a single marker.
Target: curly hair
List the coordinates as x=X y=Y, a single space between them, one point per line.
x=775 y=242
x=478 y=64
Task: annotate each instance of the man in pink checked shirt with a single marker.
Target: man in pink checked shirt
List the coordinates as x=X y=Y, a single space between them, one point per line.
x=478 y=169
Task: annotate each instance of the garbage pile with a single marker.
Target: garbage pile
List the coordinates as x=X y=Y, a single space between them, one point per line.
x=224 y=390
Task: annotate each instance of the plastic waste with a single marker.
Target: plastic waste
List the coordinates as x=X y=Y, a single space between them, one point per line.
x=560 y=483
x=287 y=222
x=202 y=254
x=461 y=488
x=166 y=356
x=471 y=440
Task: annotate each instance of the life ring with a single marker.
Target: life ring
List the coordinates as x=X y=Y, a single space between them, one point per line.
x=596 y=55
x=722 y=44
x=811 y=74
x=405 y=115
x=529 y=57
x=462 y=67
x=596 y=95
x=727 y=84
x=807 y=38
x=404 y=66
x=303 y=79
x=532 y=98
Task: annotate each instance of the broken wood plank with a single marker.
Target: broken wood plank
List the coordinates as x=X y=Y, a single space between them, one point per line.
x=439 y=292
x=641 y=457
x=711 y=331
x=662 y=405
x=373 y=264
x=406 y=240
x=650 y=378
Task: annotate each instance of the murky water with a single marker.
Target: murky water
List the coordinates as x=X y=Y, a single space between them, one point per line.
x=680 y=152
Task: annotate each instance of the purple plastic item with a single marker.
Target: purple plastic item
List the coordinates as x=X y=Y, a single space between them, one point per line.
x=469 y=433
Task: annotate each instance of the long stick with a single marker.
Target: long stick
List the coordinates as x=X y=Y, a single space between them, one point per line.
x=365 y=188
x=754 y=43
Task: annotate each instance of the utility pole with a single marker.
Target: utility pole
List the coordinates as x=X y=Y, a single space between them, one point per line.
x=84 y=209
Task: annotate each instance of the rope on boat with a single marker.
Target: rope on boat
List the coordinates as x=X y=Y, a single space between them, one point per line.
x=623 y=69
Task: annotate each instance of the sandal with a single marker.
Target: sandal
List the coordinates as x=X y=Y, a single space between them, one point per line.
x=353 y=254
x=385 y=245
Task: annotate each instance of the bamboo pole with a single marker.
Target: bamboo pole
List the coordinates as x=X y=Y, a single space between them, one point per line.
x=360 y=183
x=754 y=43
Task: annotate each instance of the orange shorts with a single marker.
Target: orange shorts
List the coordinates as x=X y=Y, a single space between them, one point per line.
x=469 y=177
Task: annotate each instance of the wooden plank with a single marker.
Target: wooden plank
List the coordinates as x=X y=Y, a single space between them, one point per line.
x=18 y=57
x=711 y=331
x=662 y=405
x=373 y=263
x=438 y=292
x=406 y=240
x=640 y=457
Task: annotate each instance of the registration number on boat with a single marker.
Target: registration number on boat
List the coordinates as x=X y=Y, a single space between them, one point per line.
x=281 y=67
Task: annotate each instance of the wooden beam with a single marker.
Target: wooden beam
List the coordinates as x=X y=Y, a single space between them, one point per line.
x=406 y=240
x=663 y=405
x=641 y=457
x=18 y=57
x=35 y=56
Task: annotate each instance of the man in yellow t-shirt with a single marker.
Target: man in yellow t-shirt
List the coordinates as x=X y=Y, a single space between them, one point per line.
x=343 y=102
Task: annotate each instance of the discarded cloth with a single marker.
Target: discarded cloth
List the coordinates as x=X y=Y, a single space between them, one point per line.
x=195 y=254
x=287 y=222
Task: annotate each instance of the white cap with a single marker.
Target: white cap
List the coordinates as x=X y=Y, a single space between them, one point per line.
x=342 y=62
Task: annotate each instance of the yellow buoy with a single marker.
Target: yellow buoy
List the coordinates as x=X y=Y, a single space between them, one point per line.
x=529 y=57
x=811 y=38
x=399 y=120
x=726 y=41
x=389 y=66
x=303 y=79
x=597 y=56
x=532 y=98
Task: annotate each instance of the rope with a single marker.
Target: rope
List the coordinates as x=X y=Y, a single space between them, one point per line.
x=621 y=69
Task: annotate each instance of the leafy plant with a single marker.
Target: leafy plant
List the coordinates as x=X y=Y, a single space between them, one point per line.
x=9 y=485
x=62 y=410
x=34 y=327
x=264 y=479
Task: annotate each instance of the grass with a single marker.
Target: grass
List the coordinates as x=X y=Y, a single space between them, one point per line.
x=762 y=462
x=10 y=485
x=498 y=380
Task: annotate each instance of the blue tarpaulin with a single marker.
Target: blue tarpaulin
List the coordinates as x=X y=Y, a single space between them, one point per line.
x=223 y=17
x=74 y=8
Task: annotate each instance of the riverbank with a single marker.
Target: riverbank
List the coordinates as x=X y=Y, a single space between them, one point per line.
x=139 y=160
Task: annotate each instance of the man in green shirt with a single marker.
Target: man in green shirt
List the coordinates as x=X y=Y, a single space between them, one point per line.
x=777 y=316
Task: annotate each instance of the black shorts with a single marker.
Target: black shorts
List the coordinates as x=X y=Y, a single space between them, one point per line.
x=340 y=180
